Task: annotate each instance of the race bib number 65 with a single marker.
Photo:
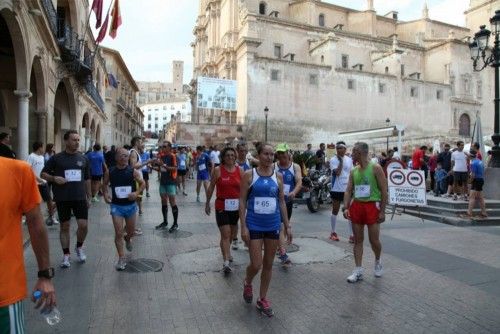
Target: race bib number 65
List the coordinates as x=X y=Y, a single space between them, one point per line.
x=265 y=205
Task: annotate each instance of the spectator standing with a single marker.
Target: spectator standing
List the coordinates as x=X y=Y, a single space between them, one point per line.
x=320 y=155
x=476 y=193
x=5 y=150
x=432 y=165
x=460 y=172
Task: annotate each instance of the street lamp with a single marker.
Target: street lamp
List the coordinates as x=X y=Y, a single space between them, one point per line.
x=266 y=113
x=478 y=48
x=387 y=121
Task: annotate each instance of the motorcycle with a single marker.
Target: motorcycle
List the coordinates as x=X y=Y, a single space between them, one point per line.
x=317 y=189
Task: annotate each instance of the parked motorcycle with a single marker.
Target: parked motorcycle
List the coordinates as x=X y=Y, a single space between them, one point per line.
x=317 y=183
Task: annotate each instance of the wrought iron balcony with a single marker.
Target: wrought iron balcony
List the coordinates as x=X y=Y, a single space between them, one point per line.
x=94 y=94
x=120 y=103
x=51 y=13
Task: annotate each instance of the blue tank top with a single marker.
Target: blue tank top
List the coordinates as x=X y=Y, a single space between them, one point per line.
x=263 y=210
x=122 y=182
x=288 y=179
x=182 y=161
x=245 y=165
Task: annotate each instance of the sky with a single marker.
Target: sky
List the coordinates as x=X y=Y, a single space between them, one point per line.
x=156 y=32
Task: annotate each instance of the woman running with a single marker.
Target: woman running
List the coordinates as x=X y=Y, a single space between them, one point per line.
x=262 y=209
x=226 y=178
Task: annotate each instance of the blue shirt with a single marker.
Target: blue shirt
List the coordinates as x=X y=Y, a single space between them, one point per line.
x=96 y=159
x=288 y=179
x=263 y=210
x=440 y=175
x=145 y=157
x=477 y=168
x=203 y=163
x=182 y=161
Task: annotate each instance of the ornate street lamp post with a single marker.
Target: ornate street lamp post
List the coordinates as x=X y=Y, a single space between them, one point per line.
x=387 y=121
x=481 y=60
x=266 y=113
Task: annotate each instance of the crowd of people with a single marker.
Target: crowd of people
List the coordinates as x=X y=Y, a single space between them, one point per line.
x=254 y=195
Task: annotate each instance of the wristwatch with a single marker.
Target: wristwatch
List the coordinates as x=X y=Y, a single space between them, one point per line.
x=47 y=273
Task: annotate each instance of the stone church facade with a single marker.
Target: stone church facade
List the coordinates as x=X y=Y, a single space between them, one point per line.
x=325 y=68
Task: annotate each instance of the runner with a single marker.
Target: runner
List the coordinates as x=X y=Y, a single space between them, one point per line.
x=202 y=171
x=226 y=179
x=69 y=172
x=167 y=166
x=367 y=187
x=37 y=161
x=262 y=210
x=19 y=195
x=97 y=169
x=189 y=154
x=292 y=183
x=341 y=166
x=136 y=162
x=145 y=156
x=182 y=169
x=242 y=161
x=123 y=180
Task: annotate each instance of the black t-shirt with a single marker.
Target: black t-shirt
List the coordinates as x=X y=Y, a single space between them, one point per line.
x=320 y=155
x=444 y=158
x=121 y=180
x=168 y=177
x=109 y=157
x=76 y=169
x=6 y=152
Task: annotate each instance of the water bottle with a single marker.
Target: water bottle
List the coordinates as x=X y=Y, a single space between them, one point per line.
x=51 y=314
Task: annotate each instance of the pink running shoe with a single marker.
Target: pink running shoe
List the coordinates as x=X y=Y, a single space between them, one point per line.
x=247 y=292
x=264 y=306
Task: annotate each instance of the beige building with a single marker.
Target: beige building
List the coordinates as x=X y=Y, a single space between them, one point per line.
x=125 y=118
x=150 y=92
x=323 y=69
x=51 y=79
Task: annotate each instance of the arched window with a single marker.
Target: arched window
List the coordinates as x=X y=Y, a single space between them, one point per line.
x=322 y=59
x=262 y=8
x=321 y=20
x=464 y=125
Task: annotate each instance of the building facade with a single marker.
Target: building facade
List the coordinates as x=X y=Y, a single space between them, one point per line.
x=330 y=69
x=51 y=75
x=157 y=114
x=125 y=118
x=150 y=92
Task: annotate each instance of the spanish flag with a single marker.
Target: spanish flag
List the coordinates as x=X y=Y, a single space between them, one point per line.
x=116 y=21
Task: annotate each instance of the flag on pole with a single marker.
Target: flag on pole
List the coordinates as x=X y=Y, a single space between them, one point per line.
x=97 y=9
x=117 y=19
x=104 y=29
x=112 y=80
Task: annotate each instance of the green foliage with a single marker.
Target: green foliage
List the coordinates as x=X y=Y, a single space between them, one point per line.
x=304 y=160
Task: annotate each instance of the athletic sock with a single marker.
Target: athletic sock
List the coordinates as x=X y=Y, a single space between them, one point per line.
x=175 y=213
x=66 y=251
x=349 y=224
x=333 y=222
x=164 y=211
x=79 y=244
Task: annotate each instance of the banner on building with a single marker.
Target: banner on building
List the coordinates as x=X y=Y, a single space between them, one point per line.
x=214 y=93
x=407 y=187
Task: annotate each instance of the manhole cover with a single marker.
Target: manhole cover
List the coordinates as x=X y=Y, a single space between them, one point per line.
x=292 y=248
x=175 y=235
x=143 y=266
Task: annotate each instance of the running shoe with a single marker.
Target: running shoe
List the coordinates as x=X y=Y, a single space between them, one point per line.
x=128 y=245
x=65 y=262
x=235 y=244
x=285 y=259
x=334 y=236
x=162 y=226
x=174 y=228
x=226 y=268
x=351 y=239
x=230 y=258
x=121 y=264
x=138 y=231
x=247 y=292
x=379 y=270
x=49 y=221
x=147 y=195
x=55 y=221
x=80 y=254
x=357 y=275
x=264 y=306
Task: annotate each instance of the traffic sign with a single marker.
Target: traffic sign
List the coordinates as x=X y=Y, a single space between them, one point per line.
x=407 y=187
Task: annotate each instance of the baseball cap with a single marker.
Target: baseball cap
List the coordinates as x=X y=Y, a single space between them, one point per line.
x=283 y=147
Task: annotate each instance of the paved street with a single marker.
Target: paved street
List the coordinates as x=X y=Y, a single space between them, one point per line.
x=438 y=279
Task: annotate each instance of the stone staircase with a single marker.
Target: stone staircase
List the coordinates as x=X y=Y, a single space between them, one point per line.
x=448 y=211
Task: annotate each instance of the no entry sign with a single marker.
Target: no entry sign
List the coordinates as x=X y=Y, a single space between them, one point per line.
x=407 y=187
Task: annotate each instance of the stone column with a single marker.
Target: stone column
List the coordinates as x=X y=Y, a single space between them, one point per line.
x=42 y=126
x=23 y=123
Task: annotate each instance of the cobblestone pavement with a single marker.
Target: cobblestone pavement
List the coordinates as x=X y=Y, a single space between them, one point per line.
x=438 y=279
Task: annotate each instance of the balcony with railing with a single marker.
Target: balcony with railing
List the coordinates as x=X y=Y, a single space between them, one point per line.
x=94 y=94
x=120 y=103
x=128 y=111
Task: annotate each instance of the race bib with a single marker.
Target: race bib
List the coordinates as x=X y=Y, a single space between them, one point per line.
x=286 y=189
x=73 y=175
x=362 y=191
x=264 y=205
x=122 y=192
x=232 y=204
x=202 y=167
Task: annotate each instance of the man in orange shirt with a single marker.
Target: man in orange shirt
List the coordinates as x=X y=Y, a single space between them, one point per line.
x=19 y=195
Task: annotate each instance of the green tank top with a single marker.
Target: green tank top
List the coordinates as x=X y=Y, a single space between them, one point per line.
x=365 y=185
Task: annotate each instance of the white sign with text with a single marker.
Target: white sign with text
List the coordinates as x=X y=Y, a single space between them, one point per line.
x=407 y=187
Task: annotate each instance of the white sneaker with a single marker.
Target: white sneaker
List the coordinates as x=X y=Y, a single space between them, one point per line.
x=357 y=275
x=138 y=231
x=55 y=221
x=121 y=264
x=235 y=244
x=379 y=270
x=80 y=254
x=65 y=262
x=226 y=268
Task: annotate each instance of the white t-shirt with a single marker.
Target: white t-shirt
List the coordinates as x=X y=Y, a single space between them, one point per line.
x=340 y=184
x=460 y=159
x=214 y=157
x=36 y=162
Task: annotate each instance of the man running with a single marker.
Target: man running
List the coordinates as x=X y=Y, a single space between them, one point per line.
x=36 y=160
x=367 y=187
x=97 y=169
x=202 y=171
x=19 y=195
x=182 y=169
x=69 y=172
x=341 y=166
x=136 y=162
x=292 y=183
x=167 y=166
x=123 y=180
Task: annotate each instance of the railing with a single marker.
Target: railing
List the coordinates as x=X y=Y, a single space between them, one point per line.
x=128 y=111
x=51 y=13
x=94 y=94
x=120 y=102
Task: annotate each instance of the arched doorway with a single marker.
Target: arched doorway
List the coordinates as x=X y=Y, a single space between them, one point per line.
x=37 y=104
x=464 y=125
x=63 y=115
x=85 y=131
